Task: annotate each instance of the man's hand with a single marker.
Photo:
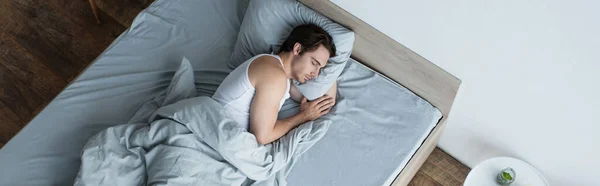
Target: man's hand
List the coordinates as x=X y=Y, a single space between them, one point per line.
x=317 y=108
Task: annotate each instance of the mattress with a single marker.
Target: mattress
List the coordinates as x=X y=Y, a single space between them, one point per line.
x=377 y=124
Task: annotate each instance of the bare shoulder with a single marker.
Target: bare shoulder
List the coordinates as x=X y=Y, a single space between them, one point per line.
x=266 y=70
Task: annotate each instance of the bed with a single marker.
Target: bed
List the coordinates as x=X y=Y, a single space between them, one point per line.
x=398 y=130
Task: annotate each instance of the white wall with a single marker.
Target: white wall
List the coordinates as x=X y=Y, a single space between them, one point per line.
x=530 y=72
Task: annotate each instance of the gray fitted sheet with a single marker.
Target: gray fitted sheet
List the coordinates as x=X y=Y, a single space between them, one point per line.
x=135 y=68
x=377 y=124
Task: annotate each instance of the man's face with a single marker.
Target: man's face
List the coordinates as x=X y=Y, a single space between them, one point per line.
x=306 y=66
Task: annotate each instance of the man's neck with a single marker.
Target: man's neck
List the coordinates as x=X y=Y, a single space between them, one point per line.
x=286 y=59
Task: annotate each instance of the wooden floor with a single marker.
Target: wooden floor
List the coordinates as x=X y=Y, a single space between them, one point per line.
x=45 y=44
x=440 y=169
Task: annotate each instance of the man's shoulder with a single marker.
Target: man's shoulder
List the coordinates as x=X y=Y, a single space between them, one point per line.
x=267 y=69
x=267 y=66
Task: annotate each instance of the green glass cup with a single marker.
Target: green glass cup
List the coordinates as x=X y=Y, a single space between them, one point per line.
x=506 y=176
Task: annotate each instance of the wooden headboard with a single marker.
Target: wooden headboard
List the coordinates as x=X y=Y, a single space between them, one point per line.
x=392 y=59
x=385 y=55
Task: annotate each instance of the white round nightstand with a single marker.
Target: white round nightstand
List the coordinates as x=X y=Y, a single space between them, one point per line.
x=485 y=173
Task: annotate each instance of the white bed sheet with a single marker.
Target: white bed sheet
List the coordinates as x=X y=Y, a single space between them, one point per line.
x=377 y=124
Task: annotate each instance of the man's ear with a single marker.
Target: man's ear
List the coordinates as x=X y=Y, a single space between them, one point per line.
x=297 y=49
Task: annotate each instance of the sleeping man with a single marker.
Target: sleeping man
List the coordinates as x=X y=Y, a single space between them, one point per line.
x=255 y=91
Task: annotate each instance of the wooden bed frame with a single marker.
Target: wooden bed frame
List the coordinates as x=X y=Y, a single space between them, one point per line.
x=392 y=59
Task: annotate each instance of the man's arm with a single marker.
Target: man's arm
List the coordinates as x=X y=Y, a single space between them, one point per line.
x=270 y=84
x=264 y=109
x=266 y=132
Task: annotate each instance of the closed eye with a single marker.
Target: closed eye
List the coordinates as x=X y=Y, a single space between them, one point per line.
x=318 y=63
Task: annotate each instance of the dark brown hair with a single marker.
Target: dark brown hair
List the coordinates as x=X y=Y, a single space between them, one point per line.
x=310 y=36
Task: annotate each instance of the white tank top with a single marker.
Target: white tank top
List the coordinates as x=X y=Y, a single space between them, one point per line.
x=236 y=92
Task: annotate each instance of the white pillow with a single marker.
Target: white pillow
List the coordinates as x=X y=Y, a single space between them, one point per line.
x=267 y=24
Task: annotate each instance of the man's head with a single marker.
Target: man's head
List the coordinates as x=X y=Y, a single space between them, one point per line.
x=310 y=47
